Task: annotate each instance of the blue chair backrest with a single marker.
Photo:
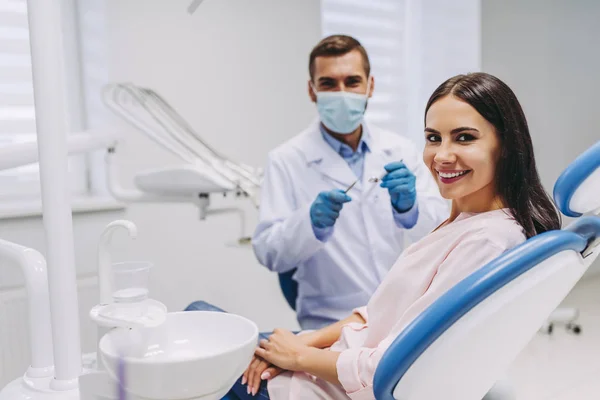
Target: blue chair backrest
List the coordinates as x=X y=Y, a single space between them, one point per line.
x=428 y=327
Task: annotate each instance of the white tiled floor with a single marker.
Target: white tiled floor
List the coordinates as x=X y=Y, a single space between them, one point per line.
x=564 y=366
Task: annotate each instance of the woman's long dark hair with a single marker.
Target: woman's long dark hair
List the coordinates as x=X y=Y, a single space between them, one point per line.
x=517 y=179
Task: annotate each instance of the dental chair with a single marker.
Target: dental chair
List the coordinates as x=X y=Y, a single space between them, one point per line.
x=460 y=346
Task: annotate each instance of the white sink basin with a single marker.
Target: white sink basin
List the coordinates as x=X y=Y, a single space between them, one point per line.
x=194 y=354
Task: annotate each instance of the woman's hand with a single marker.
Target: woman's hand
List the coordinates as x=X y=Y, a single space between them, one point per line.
x=283 y=349
x=258 y=370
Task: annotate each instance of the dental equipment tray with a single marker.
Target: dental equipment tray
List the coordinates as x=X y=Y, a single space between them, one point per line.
x=181 y=180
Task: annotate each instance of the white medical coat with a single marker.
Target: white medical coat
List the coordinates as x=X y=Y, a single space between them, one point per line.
x=342 y=272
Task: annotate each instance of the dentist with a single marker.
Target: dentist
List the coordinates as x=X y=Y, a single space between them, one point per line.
x=339 y=246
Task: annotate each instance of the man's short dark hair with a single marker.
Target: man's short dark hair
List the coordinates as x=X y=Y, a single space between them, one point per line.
x=337 y=45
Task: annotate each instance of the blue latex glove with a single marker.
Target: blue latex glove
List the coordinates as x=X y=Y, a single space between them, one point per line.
x=326 y=208
x=400 y=183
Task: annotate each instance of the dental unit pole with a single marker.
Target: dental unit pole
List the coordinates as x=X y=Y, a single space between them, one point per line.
x=39 y=376
x=49 y=99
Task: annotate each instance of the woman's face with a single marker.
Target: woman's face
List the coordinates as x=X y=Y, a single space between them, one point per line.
x=461 y=151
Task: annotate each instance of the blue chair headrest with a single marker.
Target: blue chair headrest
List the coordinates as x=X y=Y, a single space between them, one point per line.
x=577 y=189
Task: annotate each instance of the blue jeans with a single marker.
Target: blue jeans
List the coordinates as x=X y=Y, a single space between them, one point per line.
x=238 y=391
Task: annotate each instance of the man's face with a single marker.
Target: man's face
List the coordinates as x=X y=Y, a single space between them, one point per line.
x=340 y=73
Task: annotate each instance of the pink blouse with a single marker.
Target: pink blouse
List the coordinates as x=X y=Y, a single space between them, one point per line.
x=424 y=271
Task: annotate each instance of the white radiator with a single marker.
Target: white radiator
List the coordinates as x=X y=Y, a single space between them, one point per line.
x=14 y=329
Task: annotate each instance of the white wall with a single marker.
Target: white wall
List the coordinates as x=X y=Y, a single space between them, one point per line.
x=237 y=71
x=547 y=52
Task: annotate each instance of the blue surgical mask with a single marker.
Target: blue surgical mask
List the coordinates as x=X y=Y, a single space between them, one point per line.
x=341 y=112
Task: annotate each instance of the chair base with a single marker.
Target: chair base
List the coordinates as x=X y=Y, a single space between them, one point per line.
x=566 y=317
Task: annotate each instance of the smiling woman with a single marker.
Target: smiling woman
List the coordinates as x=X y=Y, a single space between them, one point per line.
x=479 y=150
x=461 y=149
